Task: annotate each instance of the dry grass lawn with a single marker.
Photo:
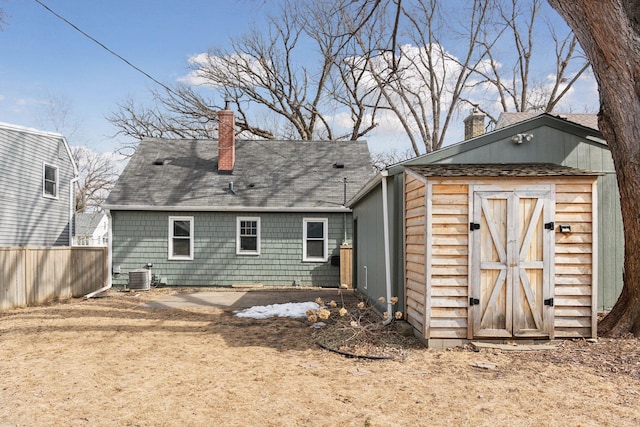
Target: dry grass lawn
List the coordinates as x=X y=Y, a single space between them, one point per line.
x=110 y=362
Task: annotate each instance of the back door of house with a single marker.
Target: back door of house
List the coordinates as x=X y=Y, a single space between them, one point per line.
x=512 y=238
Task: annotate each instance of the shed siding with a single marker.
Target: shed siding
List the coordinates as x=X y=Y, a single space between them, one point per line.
x=26 y=216
x=368 y=251
x=141 y=237
x=437 y=254
x=573 y=261
x=449 y=218
x=415 y=251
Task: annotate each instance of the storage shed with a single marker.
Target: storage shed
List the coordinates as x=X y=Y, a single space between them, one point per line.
x=500 y=251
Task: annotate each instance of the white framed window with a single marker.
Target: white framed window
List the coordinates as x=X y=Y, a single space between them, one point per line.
x=315 y=243
x=247 y=236
x=181 y=237
x=49 y=181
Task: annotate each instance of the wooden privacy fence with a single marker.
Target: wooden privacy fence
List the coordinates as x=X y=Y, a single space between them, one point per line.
x=35 y=275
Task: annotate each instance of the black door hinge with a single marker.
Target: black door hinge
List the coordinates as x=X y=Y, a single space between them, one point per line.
x=549 y=302
x=549 y=226
x=474 y=301
x=474 y=226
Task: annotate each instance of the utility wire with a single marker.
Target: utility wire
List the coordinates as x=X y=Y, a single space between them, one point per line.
x=167 y=88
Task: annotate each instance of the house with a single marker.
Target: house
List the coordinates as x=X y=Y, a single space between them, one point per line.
x=91 y=229
x=226 y=212
x=542 y=139
x=37 y=179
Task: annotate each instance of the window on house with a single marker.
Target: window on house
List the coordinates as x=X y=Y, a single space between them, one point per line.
x=50 y=181
x=181 y=237
x=314 y=239
x=248 y=236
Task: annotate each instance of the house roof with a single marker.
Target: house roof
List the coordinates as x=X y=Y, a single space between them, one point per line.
x=586 y=120
x=166 y=174
x=498 y=170
x=86 y=223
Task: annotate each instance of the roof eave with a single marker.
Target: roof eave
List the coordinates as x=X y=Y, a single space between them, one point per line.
x=373 y=182
x=320 y=209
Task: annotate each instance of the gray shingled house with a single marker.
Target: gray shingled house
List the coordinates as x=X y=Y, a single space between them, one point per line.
x=226 y=212
x=571 y=141
x=37 y=175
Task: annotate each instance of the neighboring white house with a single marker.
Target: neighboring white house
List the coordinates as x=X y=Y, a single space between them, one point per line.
x=91 y=229
x=37 y=177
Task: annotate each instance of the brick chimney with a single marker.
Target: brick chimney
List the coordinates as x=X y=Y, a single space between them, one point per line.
x=226 y=140
x=474 y=124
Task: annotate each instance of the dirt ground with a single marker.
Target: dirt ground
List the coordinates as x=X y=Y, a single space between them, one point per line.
x=113 y=362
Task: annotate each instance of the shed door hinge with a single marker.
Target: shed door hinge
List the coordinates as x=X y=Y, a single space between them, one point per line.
x=474 y=226
x=474 y=301
x=549 y=302
x=549 y=226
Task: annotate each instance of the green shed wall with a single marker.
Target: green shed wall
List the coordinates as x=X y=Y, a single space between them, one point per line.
x=369 y=248
x=141 y=237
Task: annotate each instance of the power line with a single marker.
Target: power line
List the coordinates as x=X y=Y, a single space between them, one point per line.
x=167 y=88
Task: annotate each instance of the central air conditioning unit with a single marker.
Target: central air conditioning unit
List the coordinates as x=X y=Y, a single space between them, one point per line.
x=140 y=280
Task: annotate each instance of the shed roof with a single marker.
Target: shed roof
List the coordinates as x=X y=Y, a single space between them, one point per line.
x=170 y=174
x=498 y=170
x=586 y=120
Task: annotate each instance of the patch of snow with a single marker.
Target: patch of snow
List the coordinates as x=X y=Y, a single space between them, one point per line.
x=277 y=310
x=318 y=325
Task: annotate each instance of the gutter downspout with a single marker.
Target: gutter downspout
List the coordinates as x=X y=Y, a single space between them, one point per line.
x=387 y=259
x=109 y=261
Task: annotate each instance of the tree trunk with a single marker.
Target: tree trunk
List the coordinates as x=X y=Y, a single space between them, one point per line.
x=609 y=33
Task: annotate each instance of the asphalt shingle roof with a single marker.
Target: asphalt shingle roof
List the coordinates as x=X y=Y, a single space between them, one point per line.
x=498 y=170
x=586 y=120
x=170 y=173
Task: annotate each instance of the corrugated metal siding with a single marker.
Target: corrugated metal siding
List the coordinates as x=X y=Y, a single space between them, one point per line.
x=26 y=217
x=550 y=145
x=141 y=237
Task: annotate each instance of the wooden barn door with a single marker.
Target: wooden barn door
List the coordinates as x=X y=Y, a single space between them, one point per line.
x=511 y=289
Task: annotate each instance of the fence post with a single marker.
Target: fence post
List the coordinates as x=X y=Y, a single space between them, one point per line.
x=346 y=265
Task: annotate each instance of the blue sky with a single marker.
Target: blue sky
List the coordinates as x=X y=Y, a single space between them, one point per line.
x=43 y=58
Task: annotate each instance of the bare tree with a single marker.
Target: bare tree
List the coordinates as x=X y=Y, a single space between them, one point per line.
x=276 y=91
x=418 y=61
x=609 y=33
x=97 y=176
x=518 y=87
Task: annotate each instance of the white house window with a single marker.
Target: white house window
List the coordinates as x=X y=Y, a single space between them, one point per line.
x=181 y=237
x=314 y=239
x=248 y=236
x=50 y=181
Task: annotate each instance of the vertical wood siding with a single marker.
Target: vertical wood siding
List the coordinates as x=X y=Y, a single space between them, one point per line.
x=35 y=275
